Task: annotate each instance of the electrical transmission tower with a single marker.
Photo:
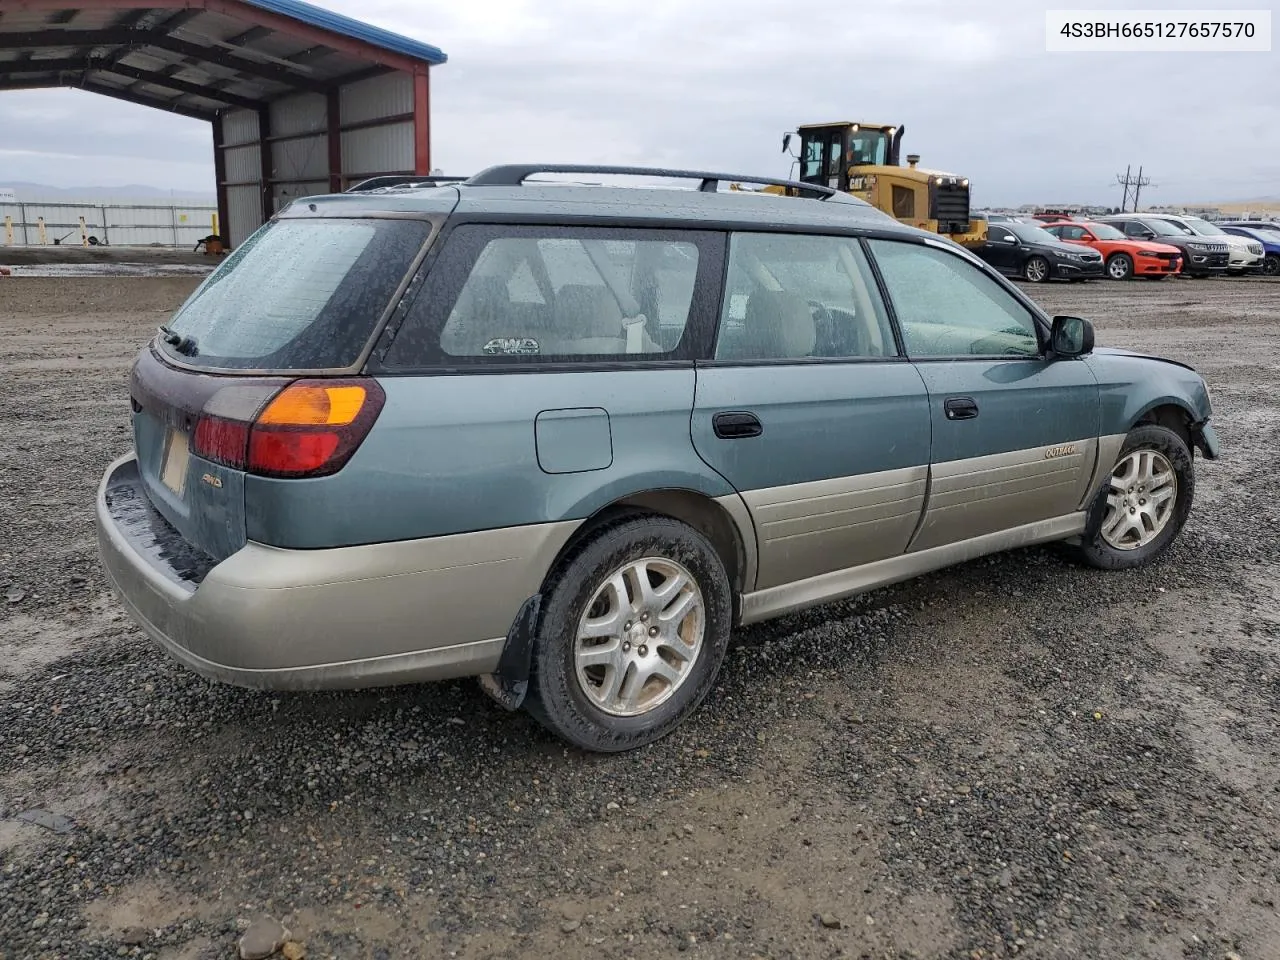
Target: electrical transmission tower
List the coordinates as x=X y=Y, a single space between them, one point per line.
x=1130 y=182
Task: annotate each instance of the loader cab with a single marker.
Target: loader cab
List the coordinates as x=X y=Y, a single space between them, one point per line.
x=828 y=151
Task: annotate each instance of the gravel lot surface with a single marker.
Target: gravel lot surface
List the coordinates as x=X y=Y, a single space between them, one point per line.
x=1015 y=757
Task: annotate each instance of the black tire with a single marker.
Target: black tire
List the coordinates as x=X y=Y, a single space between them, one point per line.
x=1120 y=266
x=1271 y=265
x=1041 y=273
x=556 y=697
x=1094 y=549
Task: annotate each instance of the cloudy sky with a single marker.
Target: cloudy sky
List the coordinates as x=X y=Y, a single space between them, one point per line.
x=714 y=83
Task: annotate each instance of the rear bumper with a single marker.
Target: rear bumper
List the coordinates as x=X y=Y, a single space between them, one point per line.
x=347 y=617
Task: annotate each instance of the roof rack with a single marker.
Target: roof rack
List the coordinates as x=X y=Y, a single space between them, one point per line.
x=515 y=174
x=400 y=180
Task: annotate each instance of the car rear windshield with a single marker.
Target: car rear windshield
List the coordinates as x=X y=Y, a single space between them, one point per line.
x=297 y=295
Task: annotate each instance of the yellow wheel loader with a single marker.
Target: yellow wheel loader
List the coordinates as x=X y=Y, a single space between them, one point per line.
x=862 y=159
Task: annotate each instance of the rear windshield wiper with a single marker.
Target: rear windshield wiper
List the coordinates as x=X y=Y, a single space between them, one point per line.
x=183 y=344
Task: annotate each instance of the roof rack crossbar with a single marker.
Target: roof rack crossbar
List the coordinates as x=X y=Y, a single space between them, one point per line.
x=400 y=180
x=515 y=174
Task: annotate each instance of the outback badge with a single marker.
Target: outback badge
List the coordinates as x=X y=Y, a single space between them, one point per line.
x=1066 y=450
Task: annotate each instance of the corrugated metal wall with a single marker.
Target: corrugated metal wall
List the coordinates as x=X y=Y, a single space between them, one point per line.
x=243 y=160
x=300 y=161
x=390 y=95
x=382 y=149
x=119 y=225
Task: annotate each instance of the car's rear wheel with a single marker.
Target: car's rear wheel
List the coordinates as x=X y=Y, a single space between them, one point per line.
x=1271 y=265
x=632 y=635
x=1144 y=503
x=1120 y=266
x=1036 y=270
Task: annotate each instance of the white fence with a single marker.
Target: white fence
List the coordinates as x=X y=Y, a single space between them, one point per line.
x=114 y=224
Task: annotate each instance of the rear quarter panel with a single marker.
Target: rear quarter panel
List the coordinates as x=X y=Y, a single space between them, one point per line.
x=457 y=454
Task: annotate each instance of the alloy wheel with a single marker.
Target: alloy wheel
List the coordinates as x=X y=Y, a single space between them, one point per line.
x=640 y=636
x=1140 y=501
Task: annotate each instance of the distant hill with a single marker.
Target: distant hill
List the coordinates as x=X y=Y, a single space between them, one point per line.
x=1261 y=205
x=134 y=191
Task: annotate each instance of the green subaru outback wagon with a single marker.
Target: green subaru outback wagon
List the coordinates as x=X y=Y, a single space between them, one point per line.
x=566 y=437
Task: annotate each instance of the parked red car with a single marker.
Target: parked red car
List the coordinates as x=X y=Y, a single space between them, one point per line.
x=1125 y=257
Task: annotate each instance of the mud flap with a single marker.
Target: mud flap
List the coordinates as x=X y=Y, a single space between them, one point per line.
x=1205 y=439
x=509 y=684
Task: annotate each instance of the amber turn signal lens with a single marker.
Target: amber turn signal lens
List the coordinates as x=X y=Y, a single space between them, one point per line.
x=313 y=405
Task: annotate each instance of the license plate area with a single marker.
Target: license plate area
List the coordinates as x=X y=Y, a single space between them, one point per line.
x=177 y=454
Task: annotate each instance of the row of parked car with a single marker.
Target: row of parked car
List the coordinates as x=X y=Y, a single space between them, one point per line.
x=1154 y=246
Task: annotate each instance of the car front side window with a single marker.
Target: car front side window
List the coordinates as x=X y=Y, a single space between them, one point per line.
x=947 y=307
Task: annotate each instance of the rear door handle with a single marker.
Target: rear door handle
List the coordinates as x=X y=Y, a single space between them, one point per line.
x=736 y=425
x=960 y=408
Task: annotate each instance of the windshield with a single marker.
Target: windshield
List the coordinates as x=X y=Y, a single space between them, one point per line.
x=1104 y=231
x=1205 y=228
x=1031 y=234
x=1167 y=228
x=297 y=295
x=868 y=147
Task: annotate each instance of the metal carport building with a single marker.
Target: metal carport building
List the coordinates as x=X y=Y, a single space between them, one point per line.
x=301 y=100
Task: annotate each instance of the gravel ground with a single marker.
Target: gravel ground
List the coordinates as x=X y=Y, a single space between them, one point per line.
x=1017 y=756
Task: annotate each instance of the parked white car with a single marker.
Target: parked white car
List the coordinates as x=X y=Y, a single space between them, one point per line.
x=1244 y=255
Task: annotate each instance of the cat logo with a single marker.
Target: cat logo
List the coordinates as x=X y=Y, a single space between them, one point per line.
x=211 y=480
x=1053 y=453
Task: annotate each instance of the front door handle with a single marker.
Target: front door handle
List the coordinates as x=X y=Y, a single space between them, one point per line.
x=960 y=408
x=736 y=425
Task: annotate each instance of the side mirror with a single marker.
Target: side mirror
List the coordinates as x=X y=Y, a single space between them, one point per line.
x=786 y=142
x=1071 y=337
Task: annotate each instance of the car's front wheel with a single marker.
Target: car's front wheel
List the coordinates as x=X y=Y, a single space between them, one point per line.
x=1144 y=503
x=1120 y=267
x=1036 y=270
x=1271 y=265
x=632 y=635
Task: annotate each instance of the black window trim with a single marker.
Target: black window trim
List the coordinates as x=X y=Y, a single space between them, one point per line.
x=699 y=328
x=1038 y=321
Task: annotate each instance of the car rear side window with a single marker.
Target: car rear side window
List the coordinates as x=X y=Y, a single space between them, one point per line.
x=297 y=295
x=947 y=307
x=535 y=294
x=793 y=297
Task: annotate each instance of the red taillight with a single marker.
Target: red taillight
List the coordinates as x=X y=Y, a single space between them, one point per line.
x=311 y=428
x=222 y=441
x=276 y=452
